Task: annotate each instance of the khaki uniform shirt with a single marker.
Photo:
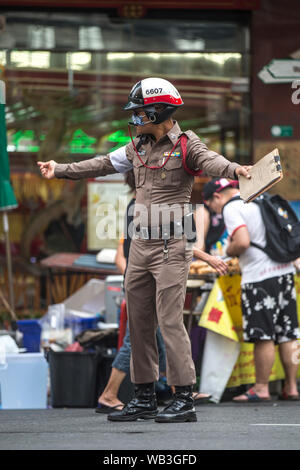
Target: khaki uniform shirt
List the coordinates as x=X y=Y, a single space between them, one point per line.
x=165 y=187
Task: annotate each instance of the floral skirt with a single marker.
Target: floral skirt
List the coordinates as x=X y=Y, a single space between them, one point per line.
x=270 y=310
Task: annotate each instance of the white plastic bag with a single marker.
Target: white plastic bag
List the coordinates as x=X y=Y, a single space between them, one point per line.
x=219 y=358
x=53 y=326
x=7 y=346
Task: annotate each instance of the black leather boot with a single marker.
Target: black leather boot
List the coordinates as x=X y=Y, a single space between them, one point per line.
x=143 y=405
x=181 y=409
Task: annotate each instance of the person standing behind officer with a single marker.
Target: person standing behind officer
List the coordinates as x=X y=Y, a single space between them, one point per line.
x=158 y=261
x=214 y=234
x=268 y=292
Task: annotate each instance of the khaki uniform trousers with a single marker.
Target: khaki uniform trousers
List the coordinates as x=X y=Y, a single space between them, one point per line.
x=155 y=290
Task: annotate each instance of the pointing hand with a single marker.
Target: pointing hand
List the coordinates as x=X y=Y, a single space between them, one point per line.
x=47 y=169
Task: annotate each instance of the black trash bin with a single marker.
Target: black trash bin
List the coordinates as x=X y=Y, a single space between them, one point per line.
x=73 y=378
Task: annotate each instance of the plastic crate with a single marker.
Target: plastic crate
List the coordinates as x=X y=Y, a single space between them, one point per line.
x=31 y=330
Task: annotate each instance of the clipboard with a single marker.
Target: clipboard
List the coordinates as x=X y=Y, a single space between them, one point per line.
x=264 y=174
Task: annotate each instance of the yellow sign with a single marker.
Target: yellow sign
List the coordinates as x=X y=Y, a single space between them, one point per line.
x=216 y=315
x=223 y=315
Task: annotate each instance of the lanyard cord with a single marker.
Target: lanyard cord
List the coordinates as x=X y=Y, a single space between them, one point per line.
x=143 y=163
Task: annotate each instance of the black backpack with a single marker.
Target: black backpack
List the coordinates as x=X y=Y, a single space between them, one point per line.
x=282 y=228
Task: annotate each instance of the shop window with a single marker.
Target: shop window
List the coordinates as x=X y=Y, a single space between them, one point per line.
x=41 y=37
x=68 y=76
x=29 y=59
x=86 y=65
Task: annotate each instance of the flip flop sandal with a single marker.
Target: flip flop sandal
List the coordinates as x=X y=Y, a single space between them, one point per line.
x=200 y=400
x=285 y=396
x=252 y=397
x=105 y=409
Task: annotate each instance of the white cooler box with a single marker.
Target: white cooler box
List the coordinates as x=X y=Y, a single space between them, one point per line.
x=23 y=381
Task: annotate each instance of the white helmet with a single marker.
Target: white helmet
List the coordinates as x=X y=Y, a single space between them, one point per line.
x=150 y=91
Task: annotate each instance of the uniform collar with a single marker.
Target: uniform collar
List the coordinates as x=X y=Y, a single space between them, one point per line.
x=174 y=133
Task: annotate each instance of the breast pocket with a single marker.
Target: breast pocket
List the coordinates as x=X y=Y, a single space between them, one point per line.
x=139 y=174
x=170 y=174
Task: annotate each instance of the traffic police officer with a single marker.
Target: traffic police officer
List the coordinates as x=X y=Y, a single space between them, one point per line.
x=155 y=282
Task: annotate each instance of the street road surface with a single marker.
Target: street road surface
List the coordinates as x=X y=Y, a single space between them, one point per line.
x=226 y=426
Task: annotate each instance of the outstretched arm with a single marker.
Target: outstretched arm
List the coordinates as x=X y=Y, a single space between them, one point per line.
x=114 y=162
x=213 y=164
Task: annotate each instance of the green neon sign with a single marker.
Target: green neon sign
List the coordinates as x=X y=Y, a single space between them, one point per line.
x=120 y=138
x=23 y=141
x=81 y=143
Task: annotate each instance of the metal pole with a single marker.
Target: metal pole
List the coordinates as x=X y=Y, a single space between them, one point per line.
x=8 y=258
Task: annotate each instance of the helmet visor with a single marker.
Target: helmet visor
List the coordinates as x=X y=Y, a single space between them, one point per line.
x=131 y=105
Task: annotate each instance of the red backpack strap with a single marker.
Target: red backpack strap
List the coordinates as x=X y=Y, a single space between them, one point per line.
x=183 y=143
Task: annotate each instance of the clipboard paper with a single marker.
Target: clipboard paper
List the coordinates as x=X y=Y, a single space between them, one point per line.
x=264 y=174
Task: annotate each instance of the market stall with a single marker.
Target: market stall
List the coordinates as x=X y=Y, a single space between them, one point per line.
x=67 y=272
